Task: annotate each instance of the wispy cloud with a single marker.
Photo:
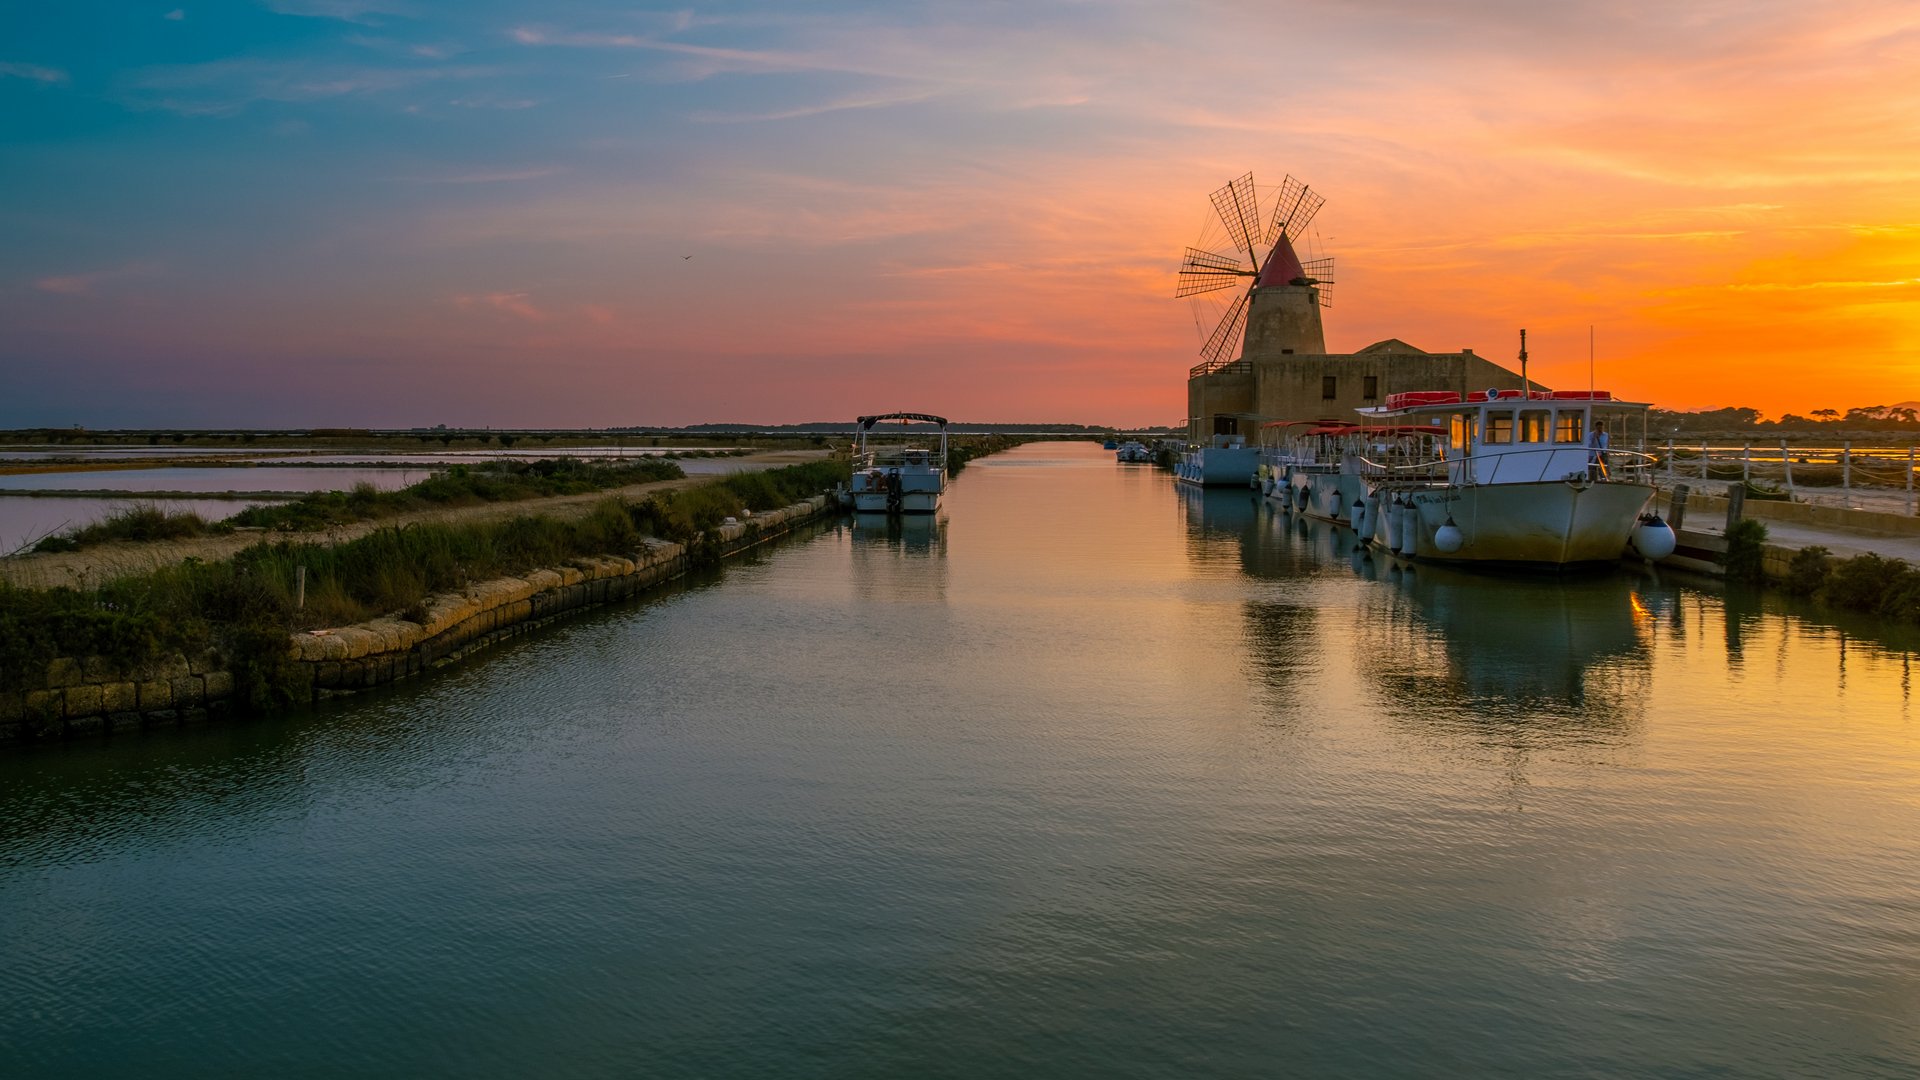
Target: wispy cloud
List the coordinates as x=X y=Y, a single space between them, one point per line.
x=85 y=284
x=877 y=101
x=486 y=102
x=502 y=176
x=32 y=72
x=518 y=304
x=1801 y=286
x=353 y=11
x=176 y=15
x=225 y=87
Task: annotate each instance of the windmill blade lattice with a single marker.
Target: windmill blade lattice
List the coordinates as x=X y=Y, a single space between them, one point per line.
x=1206 y=271
x=1239 y=208
x=1226 y=336
x=1294 y=210
x=1320 y=273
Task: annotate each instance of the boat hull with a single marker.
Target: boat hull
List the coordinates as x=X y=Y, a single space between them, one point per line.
x=911 y=502
x=1551 y=523
x=1218 y=466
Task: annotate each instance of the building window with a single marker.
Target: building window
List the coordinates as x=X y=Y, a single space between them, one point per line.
x=1329 y=387
x=1371 y=386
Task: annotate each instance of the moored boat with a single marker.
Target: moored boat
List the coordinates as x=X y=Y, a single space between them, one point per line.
x=898 y=478
x=1226 y=461
x=1519 y=478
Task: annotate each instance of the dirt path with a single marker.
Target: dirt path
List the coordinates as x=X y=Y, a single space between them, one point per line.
x=104 y=562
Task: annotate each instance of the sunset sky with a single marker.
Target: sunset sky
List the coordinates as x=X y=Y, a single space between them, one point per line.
x=395 y=212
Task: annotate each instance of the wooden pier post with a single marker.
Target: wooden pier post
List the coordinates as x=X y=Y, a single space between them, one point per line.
x=1736 y=505
x=1677 y=507
x=1746 y=464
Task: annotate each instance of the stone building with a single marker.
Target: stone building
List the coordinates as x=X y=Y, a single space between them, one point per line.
x=1284 y=371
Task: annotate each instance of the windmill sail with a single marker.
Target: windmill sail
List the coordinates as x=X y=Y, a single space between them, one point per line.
x=1239 y=210
x=1205 y=272
x=1262 y=257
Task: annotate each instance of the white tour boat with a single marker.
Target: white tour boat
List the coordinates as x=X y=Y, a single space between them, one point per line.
x=896 y=478
x=1496 y=477
x=1133 y=450
x=1516 y=480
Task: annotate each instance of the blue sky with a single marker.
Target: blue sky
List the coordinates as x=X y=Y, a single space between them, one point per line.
x=333 y=212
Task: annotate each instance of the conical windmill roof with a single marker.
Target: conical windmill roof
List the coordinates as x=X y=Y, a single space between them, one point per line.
x=1283 y=266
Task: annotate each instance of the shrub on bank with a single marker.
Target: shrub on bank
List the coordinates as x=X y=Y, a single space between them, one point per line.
x=145 y=521
x=1746 y=551
x=1807 y=574
x=244 y=608
x=461 y=485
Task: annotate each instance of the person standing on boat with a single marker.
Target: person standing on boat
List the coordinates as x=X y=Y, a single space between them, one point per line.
x=1597 y=458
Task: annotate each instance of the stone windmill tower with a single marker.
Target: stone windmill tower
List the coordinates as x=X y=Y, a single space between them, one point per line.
x=1253 y=244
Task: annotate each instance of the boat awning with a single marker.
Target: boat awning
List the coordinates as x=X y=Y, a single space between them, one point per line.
x=1447 y=400
x=867 y=422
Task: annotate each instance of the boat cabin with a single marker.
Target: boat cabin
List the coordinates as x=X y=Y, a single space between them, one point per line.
x=1512 y=436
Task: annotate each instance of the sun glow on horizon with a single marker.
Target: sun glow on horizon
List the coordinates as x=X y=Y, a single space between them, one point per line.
x=498 y=214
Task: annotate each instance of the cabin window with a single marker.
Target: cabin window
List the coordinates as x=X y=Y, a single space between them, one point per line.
x=1534 y=425
x=1460 y=432
x=1370 y=387
x=1499 y=427
x=1572 y=428
x=1329 y=387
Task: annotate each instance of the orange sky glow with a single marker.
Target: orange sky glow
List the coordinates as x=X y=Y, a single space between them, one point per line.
x=977 y=215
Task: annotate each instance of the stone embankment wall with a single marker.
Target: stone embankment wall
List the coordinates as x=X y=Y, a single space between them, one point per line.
x=1702 y=548
x=89 y=695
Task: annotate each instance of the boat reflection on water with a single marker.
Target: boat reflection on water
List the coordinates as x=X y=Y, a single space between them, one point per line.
x=1517 y=647
x=1537 y=656
x=899 y=557
x=920 y=534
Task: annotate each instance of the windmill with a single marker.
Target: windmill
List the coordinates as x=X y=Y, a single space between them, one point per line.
x=1262 y=255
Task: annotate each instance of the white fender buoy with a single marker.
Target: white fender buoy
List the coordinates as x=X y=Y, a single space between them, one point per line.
x=1362 y=521
x=1448 y=538
x=1652 y=538
x=1390 y=522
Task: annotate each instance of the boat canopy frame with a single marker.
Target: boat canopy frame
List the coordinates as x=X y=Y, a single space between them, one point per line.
x=867 y=422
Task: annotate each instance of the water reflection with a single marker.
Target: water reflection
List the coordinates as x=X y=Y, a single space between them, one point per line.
x=1087 y=778
x=899 y=559
x=1513 y=647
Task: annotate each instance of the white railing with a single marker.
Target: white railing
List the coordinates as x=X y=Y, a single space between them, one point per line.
x=1876 y=477
x=1527 y=466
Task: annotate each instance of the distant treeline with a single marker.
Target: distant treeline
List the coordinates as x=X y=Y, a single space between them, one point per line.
x=1888 y=419
x=503 y=437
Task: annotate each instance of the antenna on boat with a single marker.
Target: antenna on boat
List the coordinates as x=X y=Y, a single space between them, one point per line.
x=1526 y=387
x=1589 y=360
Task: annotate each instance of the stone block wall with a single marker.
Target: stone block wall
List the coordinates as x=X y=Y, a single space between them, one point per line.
x=90 y=695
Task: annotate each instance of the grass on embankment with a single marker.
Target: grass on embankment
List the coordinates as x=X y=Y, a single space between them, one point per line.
x=244 y=607
x=141 y=522
x=461 y=485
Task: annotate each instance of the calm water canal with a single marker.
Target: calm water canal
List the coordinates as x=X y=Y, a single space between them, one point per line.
x=1097 y=779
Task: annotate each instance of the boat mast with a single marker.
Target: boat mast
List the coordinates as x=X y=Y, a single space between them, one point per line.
x=1525 y=386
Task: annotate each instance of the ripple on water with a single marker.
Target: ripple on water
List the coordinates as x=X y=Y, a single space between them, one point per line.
x=1091 y=778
